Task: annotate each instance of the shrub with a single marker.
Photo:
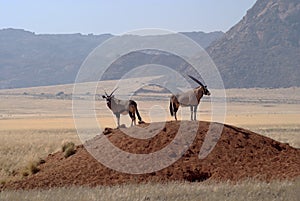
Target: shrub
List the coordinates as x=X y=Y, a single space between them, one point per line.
x=68 y=148
x=61 y=93
x=33 y=167
x=65 y=145
x=25 y=173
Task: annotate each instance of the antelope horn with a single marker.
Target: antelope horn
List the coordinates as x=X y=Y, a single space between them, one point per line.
x=105 y=93
x=196 y=80
x=113 y=91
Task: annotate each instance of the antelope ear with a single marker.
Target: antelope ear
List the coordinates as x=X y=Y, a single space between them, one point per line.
x=103 y=96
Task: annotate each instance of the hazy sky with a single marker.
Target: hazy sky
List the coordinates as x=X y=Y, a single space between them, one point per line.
x=117 y=16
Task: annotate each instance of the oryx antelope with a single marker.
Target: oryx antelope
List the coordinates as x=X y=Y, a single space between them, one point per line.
x=190 y=98
x=123 y=107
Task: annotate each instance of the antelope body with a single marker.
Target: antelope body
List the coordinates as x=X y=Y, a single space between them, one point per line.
x=189 y=98
x=123 y=107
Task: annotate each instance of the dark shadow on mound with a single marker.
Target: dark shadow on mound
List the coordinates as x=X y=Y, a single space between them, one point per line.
x=196 y=176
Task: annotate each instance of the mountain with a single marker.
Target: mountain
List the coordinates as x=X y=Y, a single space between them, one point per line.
x=28 y=59
x=263 y=49
x=204 y=39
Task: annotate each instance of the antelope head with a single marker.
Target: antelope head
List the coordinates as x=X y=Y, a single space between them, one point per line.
x=109 y=97
x=204 y=87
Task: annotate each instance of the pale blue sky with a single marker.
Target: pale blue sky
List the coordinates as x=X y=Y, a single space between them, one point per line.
x=117 y=16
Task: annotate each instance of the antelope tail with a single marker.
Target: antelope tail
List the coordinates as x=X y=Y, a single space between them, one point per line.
x=138 y=114
x=171 y=108
x=136 y=110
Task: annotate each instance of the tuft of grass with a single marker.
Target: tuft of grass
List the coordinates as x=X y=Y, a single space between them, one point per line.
x=66 y=145
x=33 y=167
x=69 y=151
x=25 y=173
x=68 y=148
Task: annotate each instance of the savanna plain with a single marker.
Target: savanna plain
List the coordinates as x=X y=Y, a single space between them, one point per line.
x=35 y=122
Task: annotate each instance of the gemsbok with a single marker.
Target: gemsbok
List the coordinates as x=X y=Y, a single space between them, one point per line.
x=190 y=98
x=123 y=107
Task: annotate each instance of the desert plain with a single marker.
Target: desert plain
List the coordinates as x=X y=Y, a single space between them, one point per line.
x=35 y=122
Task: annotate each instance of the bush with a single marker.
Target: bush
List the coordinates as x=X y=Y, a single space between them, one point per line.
x=25 y=173
x=61 y=93
x=33 y=168
x=68 y=148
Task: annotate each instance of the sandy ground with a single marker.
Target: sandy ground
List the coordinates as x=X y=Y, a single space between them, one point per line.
x=45 y=123
x=254 y=109
x=23 y=112
x=40 y=108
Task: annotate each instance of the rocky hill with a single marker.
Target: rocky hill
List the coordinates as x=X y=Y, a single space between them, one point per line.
x=263 y=49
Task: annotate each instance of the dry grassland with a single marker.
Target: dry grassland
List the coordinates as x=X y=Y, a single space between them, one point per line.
x=33 y=125
x=247 y=190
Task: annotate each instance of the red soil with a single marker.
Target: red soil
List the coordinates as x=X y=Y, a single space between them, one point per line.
x=239 y=154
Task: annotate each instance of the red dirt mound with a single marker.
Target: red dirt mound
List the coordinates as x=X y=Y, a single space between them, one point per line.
x=238 y=154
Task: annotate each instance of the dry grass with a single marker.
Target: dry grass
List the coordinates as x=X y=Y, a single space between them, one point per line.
x=247 y=190
x=19 y=148
x=33 y=167
x=281 y=133
x=68 y=148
